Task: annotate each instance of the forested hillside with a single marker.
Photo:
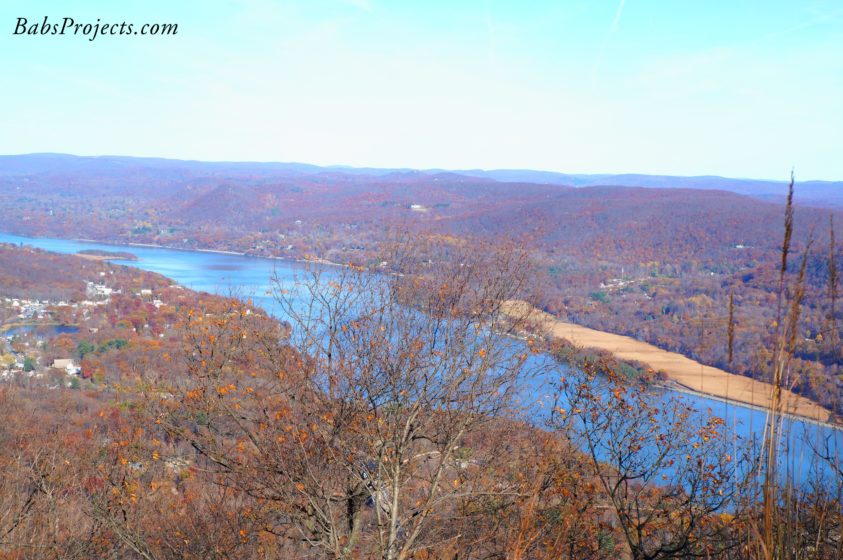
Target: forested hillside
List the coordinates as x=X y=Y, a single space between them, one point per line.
x=198 y=427
x=656 y=263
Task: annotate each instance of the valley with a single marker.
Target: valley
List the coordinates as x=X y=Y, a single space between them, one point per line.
x=653 y=263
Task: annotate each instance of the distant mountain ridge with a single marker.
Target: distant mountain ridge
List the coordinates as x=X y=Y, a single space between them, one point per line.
x=809 y=193
x=609 y=254
x=827 y=194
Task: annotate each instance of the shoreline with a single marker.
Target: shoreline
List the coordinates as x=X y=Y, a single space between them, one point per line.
x=679 y=388
x=684 y=382
x=685 y=375
x=105 y=258
x=318 y=260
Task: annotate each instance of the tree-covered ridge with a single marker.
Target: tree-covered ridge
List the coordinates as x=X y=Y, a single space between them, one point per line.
x=658 y=264
x=31 y=273
x=388 y=419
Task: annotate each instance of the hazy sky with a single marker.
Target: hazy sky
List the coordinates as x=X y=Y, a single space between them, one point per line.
x=727 y=87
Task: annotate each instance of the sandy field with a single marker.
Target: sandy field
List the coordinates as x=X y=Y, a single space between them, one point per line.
x=681 y=370
x=94 y=257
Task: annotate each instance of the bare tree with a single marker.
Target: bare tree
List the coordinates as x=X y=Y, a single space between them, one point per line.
x=350 y=435
x=667 y=471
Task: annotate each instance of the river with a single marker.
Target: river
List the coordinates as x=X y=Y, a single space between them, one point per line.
x=249 y=277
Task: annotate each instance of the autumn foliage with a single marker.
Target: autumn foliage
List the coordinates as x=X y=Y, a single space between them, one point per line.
x=390 y=415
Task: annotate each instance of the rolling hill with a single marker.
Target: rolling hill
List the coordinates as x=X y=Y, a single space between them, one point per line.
x=654 y=258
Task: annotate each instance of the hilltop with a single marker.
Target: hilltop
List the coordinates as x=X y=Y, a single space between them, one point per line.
x=651 y=257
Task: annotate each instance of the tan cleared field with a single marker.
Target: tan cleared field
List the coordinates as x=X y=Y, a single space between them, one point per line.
x=683 y=371
x=101 y=258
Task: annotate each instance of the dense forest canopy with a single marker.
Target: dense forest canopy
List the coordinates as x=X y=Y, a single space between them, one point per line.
x=657 y=260
x=385 y=420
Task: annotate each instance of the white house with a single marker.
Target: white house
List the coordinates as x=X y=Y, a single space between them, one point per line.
x=67 y=365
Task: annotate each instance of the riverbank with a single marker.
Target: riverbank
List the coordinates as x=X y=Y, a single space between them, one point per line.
x=100 y=255
x=682 y=371
x=313 y=260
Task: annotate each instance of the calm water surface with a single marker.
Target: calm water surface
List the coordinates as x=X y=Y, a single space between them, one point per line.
x=40 y=331
x=250 y=277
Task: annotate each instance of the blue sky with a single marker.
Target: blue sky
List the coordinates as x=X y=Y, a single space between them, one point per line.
x=726 y=87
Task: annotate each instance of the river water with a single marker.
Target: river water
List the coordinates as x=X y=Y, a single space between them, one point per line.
x=249 y=277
